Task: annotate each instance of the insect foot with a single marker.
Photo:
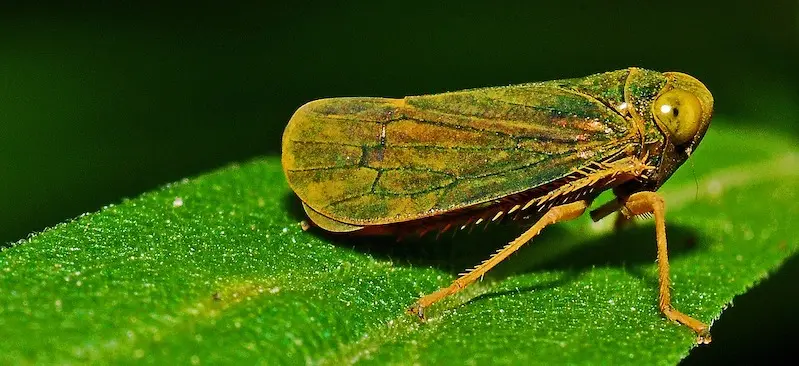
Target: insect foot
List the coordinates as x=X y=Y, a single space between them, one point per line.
x=418 y=310
x=701 y=329
x=703 y=338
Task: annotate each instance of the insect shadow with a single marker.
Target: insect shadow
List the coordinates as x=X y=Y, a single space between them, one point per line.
x=559 y=247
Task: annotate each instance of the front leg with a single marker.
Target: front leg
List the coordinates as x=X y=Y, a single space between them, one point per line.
x=622 y=220
x=651 y=202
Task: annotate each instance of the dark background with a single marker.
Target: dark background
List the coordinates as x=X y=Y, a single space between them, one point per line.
x=101 y=102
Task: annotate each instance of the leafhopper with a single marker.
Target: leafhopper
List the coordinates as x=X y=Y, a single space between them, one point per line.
x=542 y=151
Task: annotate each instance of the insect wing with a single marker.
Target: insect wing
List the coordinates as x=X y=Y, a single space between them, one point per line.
x=372 y=161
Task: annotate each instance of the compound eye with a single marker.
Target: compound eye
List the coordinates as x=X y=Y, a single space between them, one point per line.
x=680 y=112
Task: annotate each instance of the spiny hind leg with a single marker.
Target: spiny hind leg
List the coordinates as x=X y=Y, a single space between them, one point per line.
x=650 y=202
x=555 y=214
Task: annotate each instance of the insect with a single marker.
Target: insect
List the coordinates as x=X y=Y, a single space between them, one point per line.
x=541 y=150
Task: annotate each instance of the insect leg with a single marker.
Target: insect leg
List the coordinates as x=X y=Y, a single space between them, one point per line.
x=605 y=210
x=555 y=214
x=622 y=220
x=651 y=202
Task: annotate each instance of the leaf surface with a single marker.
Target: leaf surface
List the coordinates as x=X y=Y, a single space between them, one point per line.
x=217 y=269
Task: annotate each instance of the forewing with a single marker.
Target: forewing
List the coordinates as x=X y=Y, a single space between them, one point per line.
x=371 y=161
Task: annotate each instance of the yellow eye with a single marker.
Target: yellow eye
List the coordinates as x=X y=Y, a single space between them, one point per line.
x=679 y=111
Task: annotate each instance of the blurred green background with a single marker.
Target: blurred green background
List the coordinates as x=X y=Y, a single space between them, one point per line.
x=102 y=102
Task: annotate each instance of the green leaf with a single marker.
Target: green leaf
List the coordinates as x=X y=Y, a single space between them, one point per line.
x=217 y=269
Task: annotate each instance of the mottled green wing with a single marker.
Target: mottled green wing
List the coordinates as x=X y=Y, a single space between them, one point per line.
x=371 y=161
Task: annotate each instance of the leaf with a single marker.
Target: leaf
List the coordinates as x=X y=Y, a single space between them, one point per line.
x=217 y=269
